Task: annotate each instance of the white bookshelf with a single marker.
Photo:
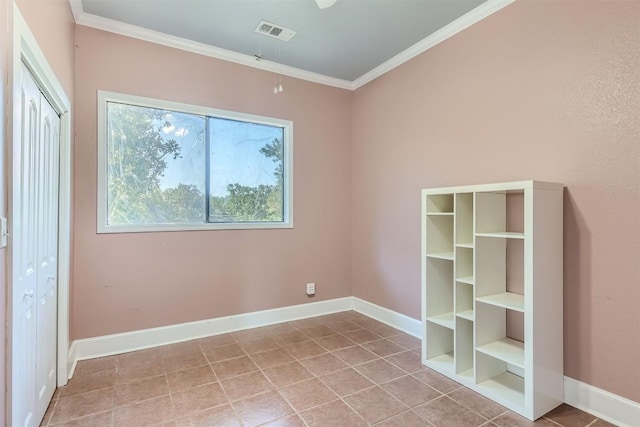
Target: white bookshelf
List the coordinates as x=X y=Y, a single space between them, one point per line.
x=491 y=254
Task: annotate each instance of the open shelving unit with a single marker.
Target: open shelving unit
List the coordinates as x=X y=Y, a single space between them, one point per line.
x=492 y=291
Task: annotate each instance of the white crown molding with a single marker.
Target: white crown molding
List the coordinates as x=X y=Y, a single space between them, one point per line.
x=453 y=28
x=76 y=9
x=117 y=27
x=157 y=37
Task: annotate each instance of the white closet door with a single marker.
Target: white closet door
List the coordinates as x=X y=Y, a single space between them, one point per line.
x=47 y=256
x=25 y=256
x=34 y=256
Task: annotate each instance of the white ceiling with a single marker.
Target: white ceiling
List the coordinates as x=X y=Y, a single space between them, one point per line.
x=345 y=45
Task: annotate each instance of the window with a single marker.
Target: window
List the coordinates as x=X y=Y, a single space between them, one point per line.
x=166 y=166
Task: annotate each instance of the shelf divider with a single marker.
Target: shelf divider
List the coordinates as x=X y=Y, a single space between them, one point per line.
x=507 y=350
x=508 y=300
x=447 y=320
x=502 y=235
x=441 y=255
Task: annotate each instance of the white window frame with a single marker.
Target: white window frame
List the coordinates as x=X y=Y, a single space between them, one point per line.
x=287 y=125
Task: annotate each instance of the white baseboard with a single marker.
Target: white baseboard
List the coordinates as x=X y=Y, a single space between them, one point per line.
x=601 y=403
x=108 y=345
x=392 y=318
x=598 y=402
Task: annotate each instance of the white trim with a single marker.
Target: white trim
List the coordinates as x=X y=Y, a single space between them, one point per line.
x=102 y=221
x=465 y=21
x=90 y=348
x=601 y=403
x=89 y=20
x=392 y=318
x=157 y=37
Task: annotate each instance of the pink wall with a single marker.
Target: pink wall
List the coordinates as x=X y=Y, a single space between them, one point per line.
x=126 y=282
x=52 y=24
x=539 y=90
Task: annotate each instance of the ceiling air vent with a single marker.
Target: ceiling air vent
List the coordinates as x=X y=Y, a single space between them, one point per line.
x=277 y=32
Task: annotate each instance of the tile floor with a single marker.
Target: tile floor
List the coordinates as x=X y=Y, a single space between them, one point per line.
x=343 y=369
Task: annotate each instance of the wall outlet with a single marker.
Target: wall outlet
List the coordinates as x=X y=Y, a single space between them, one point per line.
x=311 y=289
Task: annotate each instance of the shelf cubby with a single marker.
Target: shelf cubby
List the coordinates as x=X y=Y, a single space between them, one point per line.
x=440 y=231
x=492 y=291
x=464 y=300
x=439 y=203
x=441 y=344
x=464 y=262
x=464 y=346
x=464 y=219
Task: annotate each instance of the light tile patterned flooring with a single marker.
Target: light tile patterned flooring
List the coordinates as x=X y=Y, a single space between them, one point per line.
x=343 y=369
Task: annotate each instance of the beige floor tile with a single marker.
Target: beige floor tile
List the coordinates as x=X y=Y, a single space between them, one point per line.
x=259 y=345
x=271 y=358
x=262 y=408
x=82 y=405
x=355 y=355
x=223 y=352
x=184 y=361
x=220 y=416
x=145 y=413
x=346 y=381
x=405 y=340
x=197 y=399
x=332 y=414
x=407 y=361
x=383 y=347
x=234 y=367
x=305 y=349
x=404 y=419
x=410 y=391
x=361 y=336
x=437 y=381
x=139 y=356
x=290 y=421
x=384 y=330
x=180 y=348
x=290 y=338
x=374 y=404
x=601 y=423
x=343 y=326
x=132 y=372
x=568 y=416
x=444 y=412
x=101 y=419
x=83 y=383
x=96 y=365
x=216 y=340
x=307 y=394
x=247 y=385
x=510 y=419
x=477 y=403
x=148 y=388
x=323 y=364
x=380 y=371
x=189 y=378
x=335 y=342
x=48 y=412
x=287 y=374
x=319 y=331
